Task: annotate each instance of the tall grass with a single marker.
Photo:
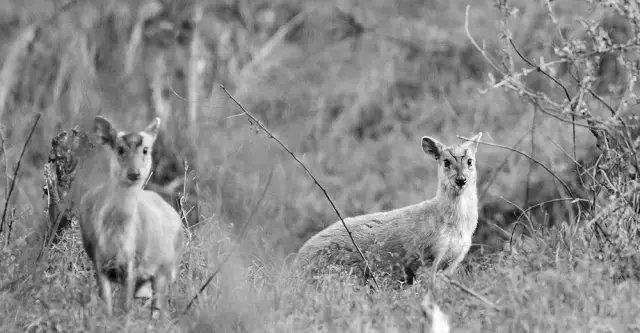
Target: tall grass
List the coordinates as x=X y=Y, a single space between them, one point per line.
x=350 y=87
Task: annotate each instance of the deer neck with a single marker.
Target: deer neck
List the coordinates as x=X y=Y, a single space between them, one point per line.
x=124 y=197
x=462 y=207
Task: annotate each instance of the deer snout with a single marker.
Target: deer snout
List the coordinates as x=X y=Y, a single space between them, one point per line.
x=133 y=175
x=461 y=181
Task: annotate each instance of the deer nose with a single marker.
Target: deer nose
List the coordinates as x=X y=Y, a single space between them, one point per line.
x=133 y=175
x=460 y=181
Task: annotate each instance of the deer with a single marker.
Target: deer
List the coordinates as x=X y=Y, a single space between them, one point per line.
x=435 y=232
x=132 y=236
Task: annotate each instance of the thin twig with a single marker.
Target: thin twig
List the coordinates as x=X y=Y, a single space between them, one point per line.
x=527 y=156
x=475 y=44
x=497 y=170
x=275 y=40
x=531 y=228
x=544 y=110
x=539 y=69
x=469 y=291
x=146 y=182
x=540 y=204
x=593 y=93
x=241 y=236
x=533 y=153
x=12 y=219
x=15 y=172
x=566 y=92
x=9 y=285
x=324 y=191
x=6 y=163
x=516 y=85
x=578 y=165
x=182 y=198
x=50 y=235
x=625 y=128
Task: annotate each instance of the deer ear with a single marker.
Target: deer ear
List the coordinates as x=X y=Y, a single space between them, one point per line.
x=432 y=147
x=153 y=127
x=473 y=142
x=105 y=132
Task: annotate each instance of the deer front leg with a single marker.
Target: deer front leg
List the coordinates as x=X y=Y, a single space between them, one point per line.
x=436 y=263
x=451 y=268
x=104 y=286
x=129 y=286
x=159 y=286
x=456 y=261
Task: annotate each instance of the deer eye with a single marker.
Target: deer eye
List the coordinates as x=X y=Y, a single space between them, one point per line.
x=469 y=162
x=447 y=163
x=145 y=150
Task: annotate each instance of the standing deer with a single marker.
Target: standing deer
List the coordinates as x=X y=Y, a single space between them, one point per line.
x=437 y=231
x=132 y=236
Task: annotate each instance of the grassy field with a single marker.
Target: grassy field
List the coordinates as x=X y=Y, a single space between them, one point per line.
x=350 y=87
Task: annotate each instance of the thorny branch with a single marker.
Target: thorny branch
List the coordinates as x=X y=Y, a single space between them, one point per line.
x=315 y=180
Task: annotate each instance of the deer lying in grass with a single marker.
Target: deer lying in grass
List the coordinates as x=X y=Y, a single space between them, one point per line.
x=132 y=236
x=436 y=231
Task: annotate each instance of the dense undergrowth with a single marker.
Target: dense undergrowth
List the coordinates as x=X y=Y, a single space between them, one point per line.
x=351 y=88
x=540 y=285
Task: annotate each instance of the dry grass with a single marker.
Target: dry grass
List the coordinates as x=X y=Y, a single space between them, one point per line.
x=352 y=103
x=541 y=287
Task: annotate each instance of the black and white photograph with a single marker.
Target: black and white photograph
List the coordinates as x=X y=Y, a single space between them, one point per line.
x=426 y=166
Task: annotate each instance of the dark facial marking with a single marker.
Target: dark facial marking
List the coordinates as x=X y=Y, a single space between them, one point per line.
x=133 y=140
x=458 y=159
x=451 y=154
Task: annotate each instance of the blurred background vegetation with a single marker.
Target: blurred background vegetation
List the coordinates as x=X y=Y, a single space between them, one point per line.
x=350 y=85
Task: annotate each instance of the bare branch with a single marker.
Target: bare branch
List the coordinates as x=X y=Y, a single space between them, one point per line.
x=469 y=291
x=539 y=69
x=511 y=82
x=475 y=44
x=324 y=191
x=566 y=92
x=540 y=204
x=566 y=187
x=15 y=172
x=533 y=99
x=273 y=43
x=497 y=170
